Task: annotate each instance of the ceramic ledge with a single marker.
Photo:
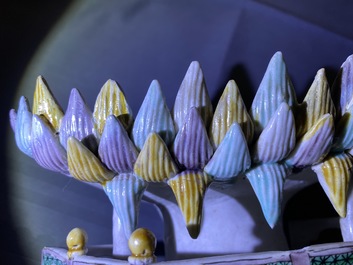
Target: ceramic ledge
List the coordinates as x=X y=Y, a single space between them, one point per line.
x=333 y=254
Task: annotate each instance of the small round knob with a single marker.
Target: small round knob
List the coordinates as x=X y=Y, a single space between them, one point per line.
x=76 y=242
x=142 y=244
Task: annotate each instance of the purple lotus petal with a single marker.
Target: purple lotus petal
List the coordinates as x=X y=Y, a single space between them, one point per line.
x=23 y=127
x=125 y=192
x=192 y=148
x=274 y=89
x=192 y=93
x=231 y=157
x=47 y=150
x=314 y=145
x=116 y=150
x=78 y=120
x=267 y=180
x=343 y=86
x=277 y=139
x=153 y=116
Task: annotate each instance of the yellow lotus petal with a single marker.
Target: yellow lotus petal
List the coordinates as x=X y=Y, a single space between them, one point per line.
x=45 y=104
x=189 y=188
x=316 y=103
x=230 y=109
x=154 y=162
x=84 y=165
x=111 y=101
x=334 y=175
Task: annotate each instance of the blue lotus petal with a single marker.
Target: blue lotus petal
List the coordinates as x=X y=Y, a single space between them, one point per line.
x=344 y=132
x=342 y=88
x=23 y=127
x=231 y=157
x=125 y=192
x=13 y=118
x=267 y=180
x=47 y=150
x=77 y=121
x=153 y=116
x=115 y=149
x=192 y=148
x=277 y=140
x=274 y=89
x=192 y=93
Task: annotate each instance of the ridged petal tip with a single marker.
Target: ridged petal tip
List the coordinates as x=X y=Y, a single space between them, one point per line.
x=192 y=93
x=154 y=162
x=153 y=116
x=116 y=150
x=22 y=125
x=231 y=157
x=343 y=86
x=84 y=165
x=78 y=120
x=111 y=101
x=44 y=103
x=46 y=148
x=230 y=109
x=334 y=174
x=192 y=148
x=277 y=139
x=267 y=180
x=125 y=192
x=274 y=89
x=314 y=145
x=316 y=103
x=189 y=188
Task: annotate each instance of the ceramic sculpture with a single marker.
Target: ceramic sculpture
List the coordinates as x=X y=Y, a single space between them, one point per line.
x=201 y=154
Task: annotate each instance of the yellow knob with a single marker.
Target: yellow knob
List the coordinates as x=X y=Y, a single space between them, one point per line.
x=76 y=242
x=142 y=244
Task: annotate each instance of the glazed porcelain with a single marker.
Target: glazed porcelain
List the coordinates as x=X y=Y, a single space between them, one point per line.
x=211 y=174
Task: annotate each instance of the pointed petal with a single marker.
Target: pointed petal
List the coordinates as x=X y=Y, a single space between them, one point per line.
x=45 y=104
x=84 y=165
x=191 y=146
x=277 y=140
x=230 y=109
x=46 y=148
x=115 y=149
x=267 y=180
x=192 y=93
x=153 y=116
x=13 y=118
x=231 y=157
x=344 y=132
x=316 y=103
x=23 y=127
x=342 y=88
x=334 y=174
x=189 y=188
x=111 y=101
x=78 y=120
x=274 y=89
x=125 y=192
x=314 y=145
x=154 y=162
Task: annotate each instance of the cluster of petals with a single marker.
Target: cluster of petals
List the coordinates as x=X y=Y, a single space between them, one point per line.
x=193 y=145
